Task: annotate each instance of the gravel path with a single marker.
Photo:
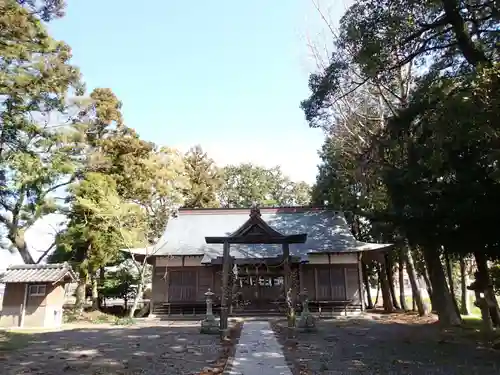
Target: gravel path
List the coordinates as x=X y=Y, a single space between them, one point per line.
x=159 y=348
x=366 y=346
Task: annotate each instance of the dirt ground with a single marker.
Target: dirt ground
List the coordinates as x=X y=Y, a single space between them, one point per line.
x=379 y=345
x=160 y=348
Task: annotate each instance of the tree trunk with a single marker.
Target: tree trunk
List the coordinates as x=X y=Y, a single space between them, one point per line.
x=138 y=295
x=22 y=247
x=377 y=295
x=390 y=279
x=485 y=313
x=470 y=51
x=95 y=294
x=428 y=285
x=80 y=294
x=449 y=272
x=386 y=290
x=402 y=297
x=441 y=296
x=413 y=304
x=489 y=293
x=367 y=285
x=233 y=287
x=102 y=276
x=226 y=269
x=415 y=288
x=464 y=301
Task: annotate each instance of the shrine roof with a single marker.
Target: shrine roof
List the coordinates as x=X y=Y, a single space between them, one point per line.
x=327 y=232
x=38 y=273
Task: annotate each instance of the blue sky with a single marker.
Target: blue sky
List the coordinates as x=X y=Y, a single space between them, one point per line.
x=228 y=75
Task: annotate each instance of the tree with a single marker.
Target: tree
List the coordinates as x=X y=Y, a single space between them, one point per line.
x=109 y=217
x=89 y=242
x=165 y=182
x=446 y=153
x=36 y=154
x=153 y=177
x=301 y=194
x=204 y=180
x=130 y=221
x=120 y=284
x=377 y=43
x=246 y=184
x=46 y=10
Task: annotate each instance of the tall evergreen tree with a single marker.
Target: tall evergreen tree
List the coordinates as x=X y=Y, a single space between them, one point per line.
x=204 y=179
x=246 y=184
x=433 y=157
x=37 y=153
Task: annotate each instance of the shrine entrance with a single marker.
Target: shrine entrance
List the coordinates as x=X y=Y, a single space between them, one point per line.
x=258 y=292
x=262 y=288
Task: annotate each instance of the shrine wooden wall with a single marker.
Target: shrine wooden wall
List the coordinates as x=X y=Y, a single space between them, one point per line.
x=332 y=277
x=326 y=277
x=335 y=282
x=182 y=279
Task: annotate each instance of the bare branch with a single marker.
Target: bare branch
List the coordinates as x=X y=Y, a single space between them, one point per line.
x=46 y=252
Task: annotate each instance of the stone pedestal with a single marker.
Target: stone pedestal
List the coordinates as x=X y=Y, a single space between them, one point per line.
x=210 y=324
x=306 y=321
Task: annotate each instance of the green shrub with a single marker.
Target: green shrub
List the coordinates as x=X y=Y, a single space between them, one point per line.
x=125 y=321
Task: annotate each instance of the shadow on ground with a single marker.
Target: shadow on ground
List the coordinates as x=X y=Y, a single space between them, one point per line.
x=364 y=346
x=159 y=349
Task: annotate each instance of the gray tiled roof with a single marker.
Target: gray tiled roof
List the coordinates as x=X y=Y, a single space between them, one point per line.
x=37 y=273
x=327 y=231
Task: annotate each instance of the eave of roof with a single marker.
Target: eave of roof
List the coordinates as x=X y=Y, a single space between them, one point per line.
x=245 y=211
x=326 y=229
x=260 y=239
x=38 y=273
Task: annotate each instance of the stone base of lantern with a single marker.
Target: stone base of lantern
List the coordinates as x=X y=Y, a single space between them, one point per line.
x=210 y=325
x=306 y=322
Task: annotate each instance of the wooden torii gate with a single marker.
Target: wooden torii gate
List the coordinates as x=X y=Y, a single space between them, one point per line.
x=254 y=231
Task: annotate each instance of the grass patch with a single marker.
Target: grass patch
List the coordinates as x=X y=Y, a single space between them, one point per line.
x=471 y=321
x=471 y=329
x=123 y=321
x=95 y=317
x=10 y=340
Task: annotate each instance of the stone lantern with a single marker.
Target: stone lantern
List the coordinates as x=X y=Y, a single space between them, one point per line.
x=306 y=319
x=209 y=325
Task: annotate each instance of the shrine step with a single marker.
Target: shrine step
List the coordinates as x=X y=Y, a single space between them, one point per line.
x=174 y=309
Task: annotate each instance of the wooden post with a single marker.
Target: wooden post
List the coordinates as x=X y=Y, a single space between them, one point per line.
x=151 y=306
x=198 y=285
x=167 y=283
x=286 y=267
x=345 y=283
x=315 y=283
x=23 y=308
x=330 y=276
x=287 y=284
x=301 y=276
x=225 y=281
x=360 y=278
